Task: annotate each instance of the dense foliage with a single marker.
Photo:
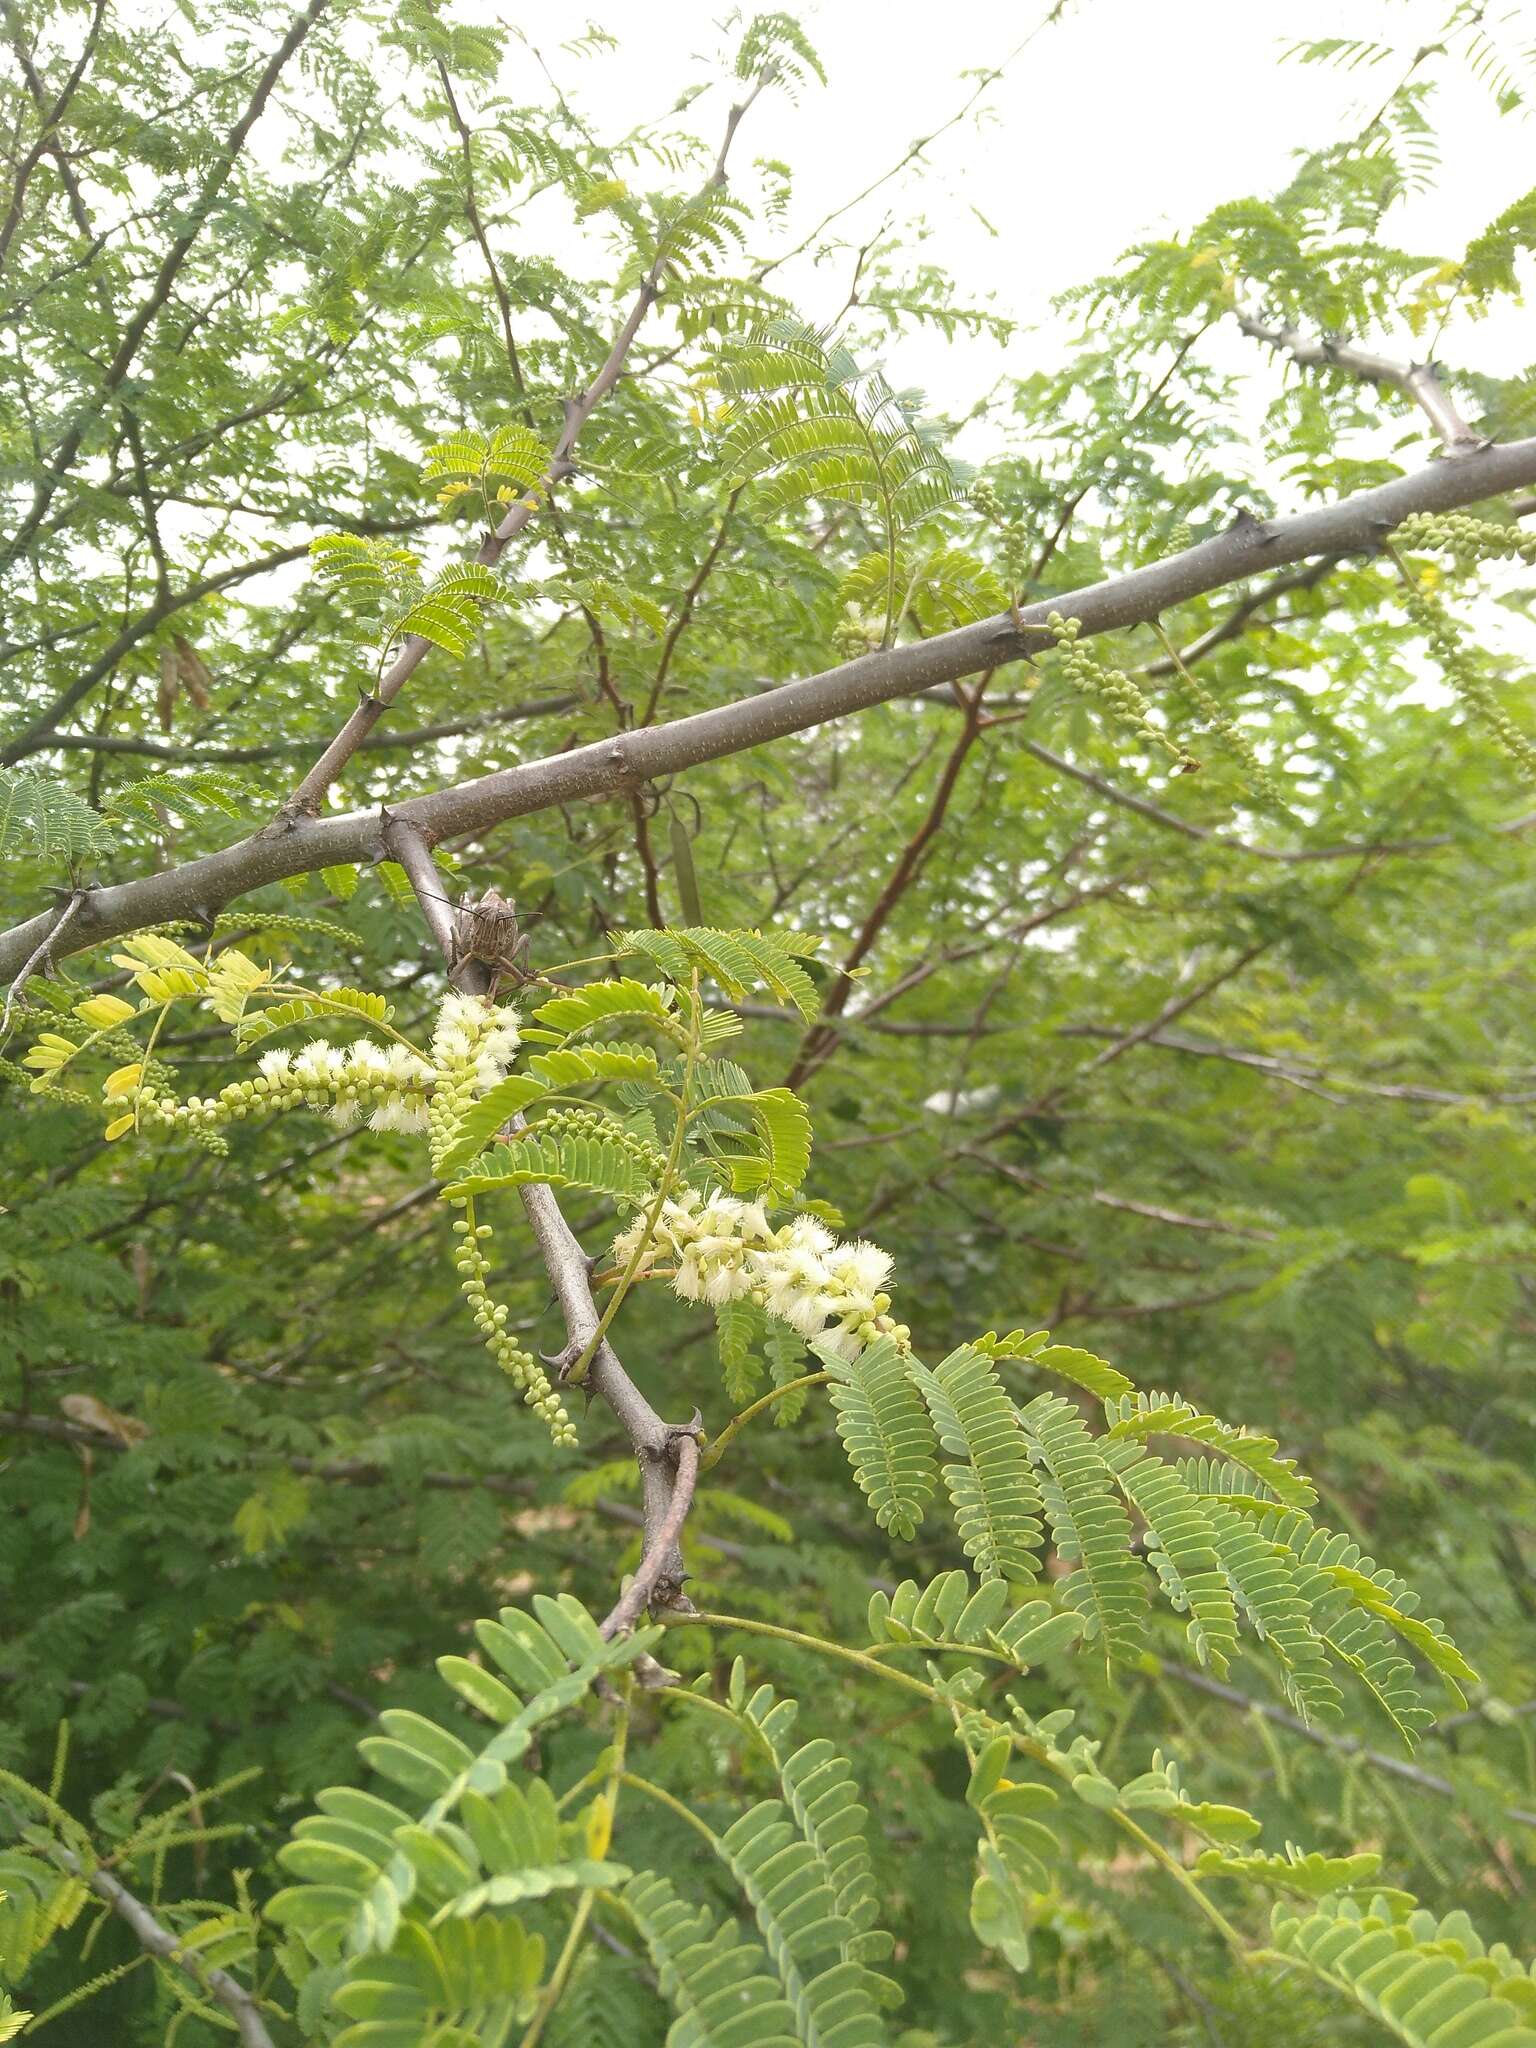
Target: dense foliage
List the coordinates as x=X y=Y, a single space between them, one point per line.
x=1151 y=973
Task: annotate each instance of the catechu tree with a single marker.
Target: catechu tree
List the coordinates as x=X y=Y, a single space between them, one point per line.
x=514 y=722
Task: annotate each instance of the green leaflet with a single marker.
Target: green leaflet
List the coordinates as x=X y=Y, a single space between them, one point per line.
x=448 y=611
x=1184 y=1553
x=483 y=1975
x=598 y=1165
x=188 y=792
x=598 y=1002
x=796 y=1911
x=714 y=1977
x=332 y=1002
x=1432 y=1983
x=1355 y=1610
x=820 y=1792
x=808 y=421
x=1312 y=1876
x=575 y=1064
x=738 y=1327
x=947 y=1610
x=511 y=454
x=473 y=1131
x=469 y=1836
x=45 y=816
x=884 y=1432
x=1273 y=1599
x=739 y=961
x=1089 y=1525
x=995 y=1495
x=1035 y=1348
x=1141 y=1415
x=783 y=1130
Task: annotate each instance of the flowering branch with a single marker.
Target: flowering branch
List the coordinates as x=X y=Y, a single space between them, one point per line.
x=658 y=1447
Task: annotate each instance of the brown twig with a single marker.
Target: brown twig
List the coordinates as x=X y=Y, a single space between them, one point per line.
x=657 y=1563
x=1340 y=1745
x=43 y=951
x=821 y=1040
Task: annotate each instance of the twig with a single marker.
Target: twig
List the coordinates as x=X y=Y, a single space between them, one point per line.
x=240 y=2004
x=657 y=1561
x=1297 y=1075
x=657 y=1445
x=1341 y=1745
x=43 y=951
x=61 y=459
x=1415 y=380
x=311 y=792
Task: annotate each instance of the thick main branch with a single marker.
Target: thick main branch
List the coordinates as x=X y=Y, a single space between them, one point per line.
x=615 y=766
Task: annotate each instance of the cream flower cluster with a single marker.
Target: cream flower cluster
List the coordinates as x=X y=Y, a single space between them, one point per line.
x=387 y=1083
x=391 y=1085
x=726 y=1250
x=471 y=1031
x=473 y=1044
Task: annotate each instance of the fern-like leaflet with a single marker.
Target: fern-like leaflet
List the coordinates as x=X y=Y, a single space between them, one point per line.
x=884 y=1431
x=805 y=421
x=996 y=1501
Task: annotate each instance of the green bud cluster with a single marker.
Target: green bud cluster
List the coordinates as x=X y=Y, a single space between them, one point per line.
x=602 y=1128
x=58 y=1092
x=1181 y=537
x=1472 y=540
x=1013 y=541
x=1112 y=687
x=452 y=1099
x=354 y=1091
x=521 y=1367
x=1233 y=738
x=1464 y=676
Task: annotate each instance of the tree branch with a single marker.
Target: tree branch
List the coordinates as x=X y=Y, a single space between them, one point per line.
x=1340 y=1745
x=658 y=1563
x=658 y=1446
x=1303 y=1074
x=239 y=2003
x=50 y=117
x=146 y=313
x=1417 y=381
x=274 y=750
x=625 y=761
x=311 y=792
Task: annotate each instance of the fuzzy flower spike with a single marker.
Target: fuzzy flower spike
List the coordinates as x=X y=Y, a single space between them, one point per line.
x=726 y=1250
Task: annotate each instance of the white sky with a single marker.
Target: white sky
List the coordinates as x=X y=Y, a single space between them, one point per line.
x=1126 y=117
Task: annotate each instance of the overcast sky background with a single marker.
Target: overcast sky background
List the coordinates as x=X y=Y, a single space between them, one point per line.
x=1126 y=117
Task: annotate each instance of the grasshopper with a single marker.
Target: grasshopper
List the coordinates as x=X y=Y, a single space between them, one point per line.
x=487 y=931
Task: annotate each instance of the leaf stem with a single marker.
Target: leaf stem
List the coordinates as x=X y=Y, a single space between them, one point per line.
x=739 y=1422
x=550 y=1997
x=1059 y=1767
